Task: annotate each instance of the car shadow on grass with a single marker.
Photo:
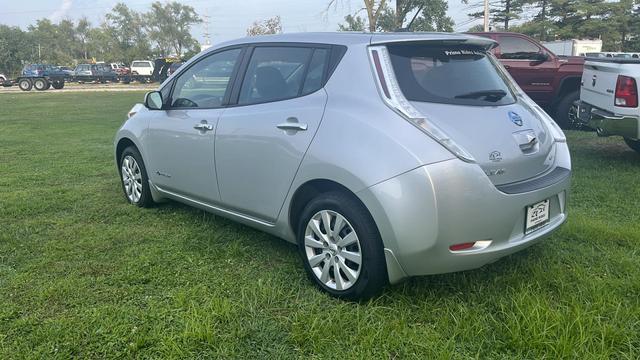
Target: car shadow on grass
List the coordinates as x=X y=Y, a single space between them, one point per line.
x=495 y=277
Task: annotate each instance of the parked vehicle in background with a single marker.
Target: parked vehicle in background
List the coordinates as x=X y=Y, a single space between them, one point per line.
x=99 y=72
x=468 y=168
x=174 y=67
x=142 y=67
x=68 y=72
x=3 y=78
x=609 y=98
x=552 y=82
x=161 y=68
x=41 y=77
x=573 y=47
x=120 y=69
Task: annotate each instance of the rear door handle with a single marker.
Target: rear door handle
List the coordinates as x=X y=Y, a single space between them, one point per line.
x=203 y=126
x=292 y=126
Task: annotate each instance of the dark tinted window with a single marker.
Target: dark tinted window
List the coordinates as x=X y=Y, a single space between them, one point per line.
x=205 y=83
x=512 y=47
x=315 y=74
x=274 y=73
x=449 y=74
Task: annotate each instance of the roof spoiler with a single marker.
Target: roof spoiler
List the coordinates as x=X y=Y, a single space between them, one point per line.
x=482 y=42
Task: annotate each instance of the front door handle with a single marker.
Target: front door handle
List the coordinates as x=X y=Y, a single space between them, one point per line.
x=203 y=126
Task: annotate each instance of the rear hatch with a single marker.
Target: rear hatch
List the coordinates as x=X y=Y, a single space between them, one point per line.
x=460 y=90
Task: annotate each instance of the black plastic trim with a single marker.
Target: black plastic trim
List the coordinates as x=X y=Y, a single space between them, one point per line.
x=557 y=175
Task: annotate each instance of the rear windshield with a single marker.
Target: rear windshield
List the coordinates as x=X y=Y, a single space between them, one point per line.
x=141 y=64
x=449 y=74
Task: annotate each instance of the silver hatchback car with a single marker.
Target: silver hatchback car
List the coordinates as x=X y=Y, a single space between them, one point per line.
x=382 y=156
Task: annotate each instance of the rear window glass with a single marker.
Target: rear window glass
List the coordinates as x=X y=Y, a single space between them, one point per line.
x=449 y=74
x=141 y=64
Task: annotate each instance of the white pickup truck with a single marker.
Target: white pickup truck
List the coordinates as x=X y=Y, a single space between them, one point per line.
x=609 y=98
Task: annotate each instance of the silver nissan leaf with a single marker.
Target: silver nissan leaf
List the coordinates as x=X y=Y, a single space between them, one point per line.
x=382 y=156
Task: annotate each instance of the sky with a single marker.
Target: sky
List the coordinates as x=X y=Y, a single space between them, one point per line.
x=228 y=19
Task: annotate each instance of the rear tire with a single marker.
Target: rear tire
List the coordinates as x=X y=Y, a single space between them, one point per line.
x=40 y=84
x=562 y=111
x=633 y=144
x=331 y=257
x=134 y=179
x=25 y=84
x=58 y=85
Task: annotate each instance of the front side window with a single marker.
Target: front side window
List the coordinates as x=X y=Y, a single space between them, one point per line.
x=205 y=83
x=449 y=75
x=515 y=48
x=275 y=73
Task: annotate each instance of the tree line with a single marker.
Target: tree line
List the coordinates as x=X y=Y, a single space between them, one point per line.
x=617 y=23
x=123 y=36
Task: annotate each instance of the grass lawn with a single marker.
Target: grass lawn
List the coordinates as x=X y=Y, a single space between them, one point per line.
x=83 y=274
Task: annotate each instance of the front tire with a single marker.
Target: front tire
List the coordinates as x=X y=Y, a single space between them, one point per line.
x=134 y=179
x=633 y=144
x=341 y=248
x=562 y=117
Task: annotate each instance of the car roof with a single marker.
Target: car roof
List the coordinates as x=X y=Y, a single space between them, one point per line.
x=354 y=38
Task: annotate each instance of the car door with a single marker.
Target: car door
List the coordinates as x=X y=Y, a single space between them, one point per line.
x=262 y=139
x=522 y=59
x=181 y=138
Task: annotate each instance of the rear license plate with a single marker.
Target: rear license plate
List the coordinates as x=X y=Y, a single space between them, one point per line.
x=537 y=216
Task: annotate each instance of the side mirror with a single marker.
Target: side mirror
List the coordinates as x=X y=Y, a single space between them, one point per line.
x=540 y=57
x=153 y=100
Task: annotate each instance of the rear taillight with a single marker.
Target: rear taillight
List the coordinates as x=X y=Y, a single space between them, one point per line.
x=393 y=97
x=626 y=92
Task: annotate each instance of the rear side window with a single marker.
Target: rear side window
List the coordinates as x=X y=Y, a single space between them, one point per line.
x=278 y=73
x=449 y=75
x=315 y=74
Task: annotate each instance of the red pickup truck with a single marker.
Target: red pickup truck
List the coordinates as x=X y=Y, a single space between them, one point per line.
x=551 y=81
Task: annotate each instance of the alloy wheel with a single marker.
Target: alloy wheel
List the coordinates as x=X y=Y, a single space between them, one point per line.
x=131 y=178
x=333 y=250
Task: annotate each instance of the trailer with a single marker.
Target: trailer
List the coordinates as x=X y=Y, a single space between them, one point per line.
x=40 y=83
x=574 y=47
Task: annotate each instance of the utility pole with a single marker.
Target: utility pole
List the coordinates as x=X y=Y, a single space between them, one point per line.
x=486 y=15
x=39 y=57
x=206 y=35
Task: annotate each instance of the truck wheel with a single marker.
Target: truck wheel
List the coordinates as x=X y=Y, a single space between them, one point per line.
x=25 y=84
x=48 y=86
x=58 y=85
x=563 y=108
x=633 y=144
x=40 y=84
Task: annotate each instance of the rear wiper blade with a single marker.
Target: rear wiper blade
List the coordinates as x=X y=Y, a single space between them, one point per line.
x=490 y=95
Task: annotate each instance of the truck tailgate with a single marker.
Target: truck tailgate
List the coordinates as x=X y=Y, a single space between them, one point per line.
x=599 y=84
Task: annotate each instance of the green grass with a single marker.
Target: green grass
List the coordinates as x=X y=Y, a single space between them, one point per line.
x=85 y=275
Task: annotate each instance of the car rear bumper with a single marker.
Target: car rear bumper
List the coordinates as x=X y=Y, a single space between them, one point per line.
x=423 y=212
x=604 y=122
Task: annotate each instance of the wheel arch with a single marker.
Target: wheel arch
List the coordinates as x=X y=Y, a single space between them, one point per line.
x=309 y=190
x=567 y=85
x=122 y=144
x=312 y=188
